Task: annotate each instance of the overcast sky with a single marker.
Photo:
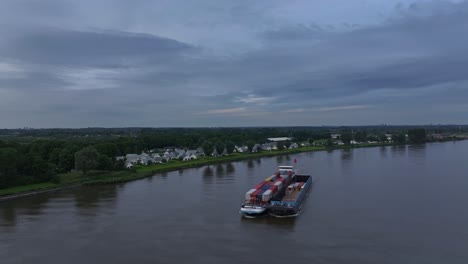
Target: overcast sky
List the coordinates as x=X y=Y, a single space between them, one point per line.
x=117 y=63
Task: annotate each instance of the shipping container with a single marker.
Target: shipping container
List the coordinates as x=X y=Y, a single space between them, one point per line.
x=259 y=195
x=265 y=187
x=279 y=184
x=266 y=196
x=274 y=188
x=249 y=193
x=254 y=194
x=258 y=186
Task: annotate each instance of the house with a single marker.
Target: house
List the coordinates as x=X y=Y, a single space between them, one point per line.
x=293 y=146
x=186 y=158
x=120 y=158
x=194 y=156
x=266 y=146
x=129 y=165
x=335 y=136
x=200 y=152
x=159 y=159
x=241 y=149
x=256 y=148
x=225 y=152
x=145 y=159
x=169 y=156
x=305 y=144
x=132 y=158
x=215 y=153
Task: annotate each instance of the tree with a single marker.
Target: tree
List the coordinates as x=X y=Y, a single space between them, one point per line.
x=104 y=162
x=399 y=138
x=346 y=138
x=8 y=160
x=230 y=147
x=250 y=144
x=361 y=136
x=66 y=160
x=207 y=147
x=417 y=135
x=119 y=165
x=86 y=159
x=219 y=147
x=108 y=149
x=382 y=138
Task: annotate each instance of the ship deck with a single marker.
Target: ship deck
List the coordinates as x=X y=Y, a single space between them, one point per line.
x=291 y=196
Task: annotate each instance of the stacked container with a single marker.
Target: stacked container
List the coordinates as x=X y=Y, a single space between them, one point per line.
x=279 y=184
x=253 y=196
x=266 y=196
x=249 y=193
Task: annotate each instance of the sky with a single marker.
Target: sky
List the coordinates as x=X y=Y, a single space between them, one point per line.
x=210 y=63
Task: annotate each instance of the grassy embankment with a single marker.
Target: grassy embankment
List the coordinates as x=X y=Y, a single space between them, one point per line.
x=139 y=172
x=29 y=188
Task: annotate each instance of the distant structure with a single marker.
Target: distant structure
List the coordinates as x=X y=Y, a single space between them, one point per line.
x=279 y=139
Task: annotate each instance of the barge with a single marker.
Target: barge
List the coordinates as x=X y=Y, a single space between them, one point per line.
x=288 y=202
x=257 y=199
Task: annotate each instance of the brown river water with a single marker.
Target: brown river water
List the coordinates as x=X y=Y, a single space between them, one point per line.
x=397 y=204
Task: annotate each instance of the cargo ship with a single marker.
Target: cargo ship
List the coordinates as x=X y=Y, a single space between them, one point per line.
x=257 y=199
x=289 y=201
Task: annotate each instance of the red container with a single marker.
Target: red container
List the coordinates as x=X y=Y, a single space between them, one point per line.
x=254 y=194
x=274 y=188
x=258 y=186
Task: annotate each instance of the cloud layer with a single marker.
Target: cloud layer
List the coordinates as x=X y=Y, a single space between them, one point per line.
x=224 y=63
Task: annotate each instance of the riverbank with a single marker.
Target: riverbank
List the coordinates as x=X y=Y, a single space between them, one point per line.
x=140 y=172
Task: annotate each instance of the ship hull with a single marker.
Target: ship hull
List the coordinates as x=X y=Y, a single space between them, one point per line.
x=281 y=206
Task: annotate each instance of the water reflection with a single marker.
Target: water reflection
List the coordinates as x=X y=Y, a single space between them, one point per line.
x=219 y=170
x=207 y=174
x=282 y=223
x=163 y=175
x=250 y=164
x=230 y=169
x=347 y=154
x=10 y=210
x=417 y=150
x=89 y=200
x=399 y=150
x=283 y=159
x=383 y=151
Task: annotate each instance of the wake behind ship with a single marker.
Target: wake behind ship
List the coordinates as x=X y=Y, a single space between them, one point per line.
x=257 y=199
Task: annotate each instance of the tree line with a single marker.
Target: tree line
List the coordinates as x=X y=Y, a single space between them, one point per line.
x=27 y=160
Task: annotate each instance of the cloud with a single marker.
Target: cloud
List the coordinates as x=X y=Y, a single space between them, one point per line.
x=253 y=99
x=234 y=63
x=344 y=107
x=225 y=111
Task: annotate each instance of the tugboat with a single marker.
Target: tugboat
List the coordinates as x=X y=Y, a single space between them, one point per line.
x=257 y=199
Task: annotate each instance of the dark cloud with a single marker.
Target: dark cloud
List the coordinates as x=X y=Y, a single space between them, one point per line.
x=217 y=66
x=78 y=48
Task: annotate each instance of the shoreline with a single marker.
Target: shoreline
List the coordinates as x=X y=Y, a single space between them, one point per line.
x=147 y=171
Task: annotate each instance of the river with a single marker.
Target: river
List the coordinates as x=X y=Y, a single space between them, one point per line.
x=396 y=204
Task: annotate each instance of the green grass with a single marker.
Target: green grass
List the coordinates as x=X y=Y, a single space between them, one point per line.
x=28 y=188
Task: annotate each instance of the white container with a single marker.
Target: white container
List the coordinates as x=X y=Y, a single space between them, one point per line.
x=266 y=196
x=247 y=194
x=279 y=184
